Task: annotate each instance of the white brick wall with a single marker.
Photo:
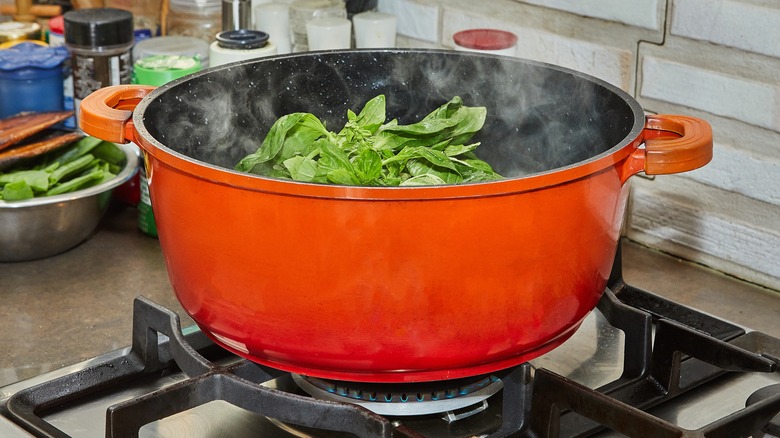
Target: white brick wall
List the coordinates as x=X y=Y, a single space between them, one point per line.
x=701 y=87
x=641 y=13
x=743 y=24
x=697 y=222
x=717 y=60
x=415 y=20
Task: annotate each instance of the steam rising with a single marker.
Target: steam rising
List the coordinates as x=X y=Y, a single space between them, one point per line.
x=539 y=118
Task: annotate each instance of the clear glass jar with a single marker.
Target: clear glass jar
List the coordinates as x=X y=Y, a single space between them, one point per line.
x=200 y=19
x=302 y=11
x=146 y=13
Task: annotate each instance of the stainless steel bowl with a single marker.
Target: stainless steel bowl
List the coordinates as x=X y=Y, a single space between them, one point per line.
x=42 y=227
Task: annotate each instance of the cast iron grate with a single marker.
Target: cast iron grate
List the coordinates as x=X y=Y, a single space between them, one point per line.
x=669 y=349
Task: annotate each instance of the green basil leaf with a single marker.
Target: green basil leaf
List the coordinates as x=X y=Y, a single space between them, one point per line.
x=373 y=114
x=343 y=177
x=437 y=158
x=422 y=128
x=368 y=166
x=299 y=128
x=459 y=149
x=423 y=180
x=447 y=110
x=477 y=164
x=341 y=160
x=302 y=168
x=475 y=175
x=420 y=167
x=470 y=120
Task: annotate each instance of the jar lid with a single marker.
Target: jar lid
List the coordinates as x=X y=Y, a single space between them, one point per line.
x=31 y=55
x=57 y=25
x=160 y=69
x=197 y=6
x=14 y=30
x=242 y=39
x=485 y=39
x=98 y=27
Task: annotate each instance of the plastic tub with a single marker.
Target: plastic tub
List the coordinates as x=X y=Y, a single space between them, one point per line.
x=31 y=78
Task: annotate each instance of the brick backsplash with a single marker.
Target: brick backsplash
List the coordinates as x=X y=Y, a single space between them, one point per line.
x=718 y=60
x=705 y=88
x=748 y=24
x=640 y=13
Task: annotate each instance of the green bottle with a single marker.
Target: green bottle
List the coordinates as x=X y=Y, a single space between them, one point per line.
x=157 y=70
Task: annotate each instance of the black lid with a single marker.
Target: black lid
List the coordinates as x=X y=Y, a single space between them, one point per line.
x=98 y=27
x=242 y=39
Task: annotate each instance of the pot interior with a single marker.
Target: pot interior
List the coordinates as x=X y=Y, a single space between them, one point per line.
x=540 y=117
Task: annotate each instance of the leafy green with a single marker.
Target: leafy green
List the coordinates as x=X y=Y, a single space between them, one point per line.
x=85 y=163
x=17 y=190
x=370 y=151
x=37 y=180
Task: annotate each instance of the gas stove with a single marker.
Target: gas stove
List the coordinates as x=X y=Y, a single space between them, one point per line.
x=639 y=366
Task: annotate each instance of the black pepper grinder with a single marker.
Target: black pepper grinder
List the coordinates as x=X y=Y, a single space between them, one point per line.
x=236 y=14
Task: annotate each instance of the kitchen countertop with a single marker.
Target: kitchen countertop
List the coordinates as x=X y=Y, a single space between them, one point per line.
x=78 y=305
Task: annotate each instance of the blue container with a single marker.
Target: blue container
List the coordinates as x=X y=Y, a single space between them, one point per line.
x=31 y=79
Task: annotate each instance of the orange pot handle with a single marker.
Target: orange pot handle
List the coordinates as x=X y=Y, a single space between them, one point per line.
x=107 y=113
x=673 y=144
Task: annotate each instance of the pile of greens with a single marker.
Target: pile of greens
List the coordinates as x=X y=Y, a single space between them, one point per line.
x=370 y=152
x=85 y=163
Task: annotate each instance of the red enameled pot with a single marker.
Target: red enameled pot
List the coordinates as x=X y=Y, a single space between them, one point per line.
x=393 y=284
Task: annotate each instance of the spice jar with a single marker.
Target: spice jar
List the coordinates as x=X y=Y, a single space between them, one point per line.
x=99 y=40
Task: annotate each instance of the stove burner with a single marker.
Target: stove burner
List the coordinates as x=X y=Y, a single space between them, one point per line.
x=407 y=398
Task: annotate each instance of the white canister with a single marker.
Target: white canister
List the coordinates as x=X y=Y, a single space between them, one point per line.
x=302 y=11
x=329 y=33
x=374 y=30
x=274 y=19
x=494 y=41
x=240 y=45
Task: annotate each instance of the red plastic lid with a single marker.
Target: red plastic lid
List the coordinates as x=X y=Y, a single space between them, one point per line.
x=57 y=25
x=485 y=39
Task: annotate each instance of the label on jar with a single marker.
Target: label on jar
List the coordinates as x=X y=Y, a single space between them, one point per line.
x=146 y=221
x=91 y=73
x=68 y=105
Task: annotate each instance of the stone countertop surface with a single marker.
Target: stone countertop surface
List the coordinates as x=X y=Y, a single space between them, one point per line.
x=78 y=305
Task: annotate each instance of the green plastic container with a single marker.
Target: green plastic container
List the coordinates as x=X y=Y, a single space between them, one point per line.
x=160 y=69
x=157 y=70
